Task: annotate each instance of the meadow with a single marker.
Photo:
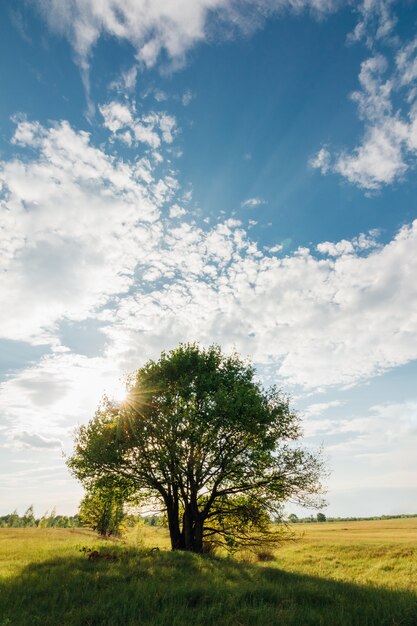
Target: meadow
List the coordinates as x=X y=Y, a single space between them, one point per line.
x=346 y=573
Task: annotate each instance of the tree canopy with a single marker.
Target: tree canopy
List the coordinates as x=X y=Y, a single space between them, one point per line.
x=199 y=436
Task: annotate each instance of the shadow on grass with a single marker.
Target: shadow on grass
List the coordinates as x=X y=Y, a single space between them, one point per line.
x=175 y=589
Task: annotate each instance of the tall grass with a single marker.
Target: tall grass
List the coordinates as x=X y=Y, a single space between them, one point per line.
x=46 y=580
x=382 y=552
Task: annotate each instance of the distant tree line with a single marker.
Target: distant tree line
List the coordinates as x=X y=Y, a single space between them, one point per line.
x=48 y=520
x=320 y=517
x=97 y=517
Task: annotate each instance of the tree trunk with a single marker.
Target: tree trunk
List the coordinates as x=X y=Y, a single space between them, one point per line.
x=198 y=535
x=188 y=530
x=174 y=526
x=192 y=531
x=190 y=538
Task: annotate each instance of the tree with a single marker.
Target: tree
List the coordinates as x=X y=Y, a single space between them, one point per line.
x=321 y=517
x=293 y=518
x=13 y=520
x=28 y=518
x=200 y=436
x=102 y=510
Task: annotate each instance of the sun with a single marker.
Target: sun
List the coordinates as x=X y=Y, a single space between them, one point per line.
x=117 y=391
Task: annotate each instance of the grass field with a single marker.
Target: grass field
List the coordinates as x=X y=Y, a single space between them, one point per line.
x=336 y=574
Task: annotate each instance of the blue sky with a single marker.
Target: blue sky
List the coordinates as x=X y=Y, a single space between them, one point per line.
x=220 y=171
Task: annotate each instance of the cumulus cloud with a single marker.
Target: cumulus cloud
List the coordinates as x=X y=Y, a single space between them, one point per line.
x=330 y=321
x=88 y=235
x=75 y=224
x=151 y=128
x=177 y=211
x=355 y=245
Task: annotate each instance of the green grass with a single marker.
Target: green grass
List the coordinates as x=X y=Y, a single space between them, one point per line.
x=362 y=576
x=381 y=552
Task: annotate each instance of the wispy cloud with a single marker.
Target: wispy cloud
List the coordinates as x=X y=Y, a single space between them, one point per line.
x=126 y=82
x=376 y=21
x=387 y=104
x=320 y=407
x=186 y=97
x=34 y=440
x=251 y=203
x=172 y=28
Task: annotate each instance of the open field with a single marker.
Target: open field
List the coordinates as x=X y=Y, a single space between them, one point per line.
x=348 y=573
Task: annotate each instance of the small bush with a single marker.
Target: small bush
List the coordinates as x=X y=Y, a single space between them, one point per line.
x=265 y=555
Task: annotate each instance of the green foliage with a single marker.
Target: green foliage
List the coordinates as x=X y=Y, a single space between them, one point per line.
x=102 y=509
x=201 y=438
x=152 y=520
x=28 y=520
x=13 y=520
x=241 y=521
x=321 y=517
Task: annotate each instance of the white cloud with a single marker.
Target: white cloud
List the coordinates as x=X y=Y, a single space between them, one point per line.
x=383 y=440
x=380 y=160
x=158 y=30
x=253 y=202
x=126 y=82
x=75 y=223
x=83 y=235
x=174 y=27
x=34 y=440
x=321 y=160
x=376 y=21
x=371 y=455
x=322 y=322
x=116 y=116
x=160 y=96
x=362 y=242
x=42 y=403
x=277 y=248
x=186 y=97
x=176 y=211
x=151 y=128
x=320 y=407
x=388 y=148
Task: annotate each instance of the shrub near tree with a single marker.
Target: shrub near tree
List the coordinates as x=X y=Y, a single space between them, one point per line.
x=200 y=436
x=102 y=509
